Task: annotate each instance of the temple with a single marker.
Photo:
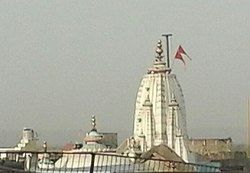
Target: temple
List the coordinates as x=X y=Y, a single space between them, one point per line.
x=160 y=115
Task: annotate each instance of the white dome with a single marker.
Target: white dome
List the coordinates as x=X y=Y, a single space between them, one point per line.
x=94 y=134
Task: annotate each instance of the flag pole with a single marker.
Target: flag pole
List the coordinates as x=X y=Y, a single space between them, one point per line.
x=167 y=42
x=248 y=128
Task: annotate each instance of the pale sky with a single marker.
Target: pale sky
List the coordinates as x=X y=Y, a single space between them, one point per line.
x=63 y=61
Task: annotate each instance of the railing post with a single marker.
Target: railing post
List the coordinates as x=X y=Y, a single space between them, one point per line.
x=92 y=164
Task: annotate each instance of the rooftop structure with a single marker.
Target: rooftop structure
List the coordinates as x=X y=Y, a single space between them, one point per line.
x=94 y=141
x=28 y=142
x=93 y=138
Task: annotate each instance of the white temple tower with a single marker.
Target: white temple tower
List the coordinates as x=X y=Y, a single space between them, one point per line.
x=160 y=116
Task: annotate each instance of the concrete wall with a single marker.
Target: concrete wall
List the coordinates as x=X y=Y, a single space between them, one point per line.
x=109 y=139
x=210 y=146
x=212 y=149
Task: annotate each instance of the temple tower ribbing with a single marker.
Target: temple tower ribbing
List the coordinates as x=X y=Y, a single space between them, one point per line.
x=172 y=118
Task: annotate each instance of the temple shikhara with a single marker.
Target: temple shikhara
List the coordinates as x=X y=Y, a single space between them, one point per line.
x=160 y=115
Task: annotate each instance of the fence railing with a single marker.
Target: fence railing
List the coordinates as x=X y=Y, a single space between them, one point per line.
x=87 y=162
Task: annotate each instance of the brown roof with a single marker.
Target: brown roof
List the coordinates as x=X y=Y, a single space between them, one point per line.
x=162 y=151
x=68 y=146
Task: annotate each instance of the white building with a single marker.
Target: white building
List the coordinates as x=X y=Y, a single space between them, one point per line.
x=160 y=115
x=28 y=142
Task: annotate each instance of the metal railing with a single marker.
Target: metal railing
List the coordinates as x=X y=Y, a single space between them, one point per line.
x=87 y=162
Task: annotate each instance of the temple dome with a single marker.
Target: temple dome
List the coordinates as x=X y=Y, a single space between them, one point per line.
x=94 y=133
x=93 y=138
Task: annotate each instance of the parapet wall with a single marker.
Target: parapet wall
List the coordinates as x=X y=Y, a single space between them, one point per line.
x=212 y=148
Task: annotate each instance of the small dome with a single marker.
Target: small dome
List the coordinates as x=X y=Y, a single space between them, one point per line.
x=94 y=133
x=93 y=139
x=93 y=136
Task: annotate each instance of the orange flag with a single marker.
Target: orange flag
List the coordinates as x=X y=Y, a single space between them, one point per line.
x=180 y=52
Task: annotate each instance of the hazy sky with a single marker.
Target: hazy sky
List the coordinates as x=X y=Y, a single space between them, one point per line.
x=63 y=61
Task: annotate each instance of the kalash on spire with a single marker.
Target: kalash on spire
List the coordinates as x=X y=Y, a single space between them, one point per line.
x=159 y=65
x=160 y=115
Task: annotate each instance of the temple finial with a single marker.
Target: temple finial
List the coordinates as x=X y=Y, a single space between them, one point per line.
x=159 y=51
x=93 y=122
